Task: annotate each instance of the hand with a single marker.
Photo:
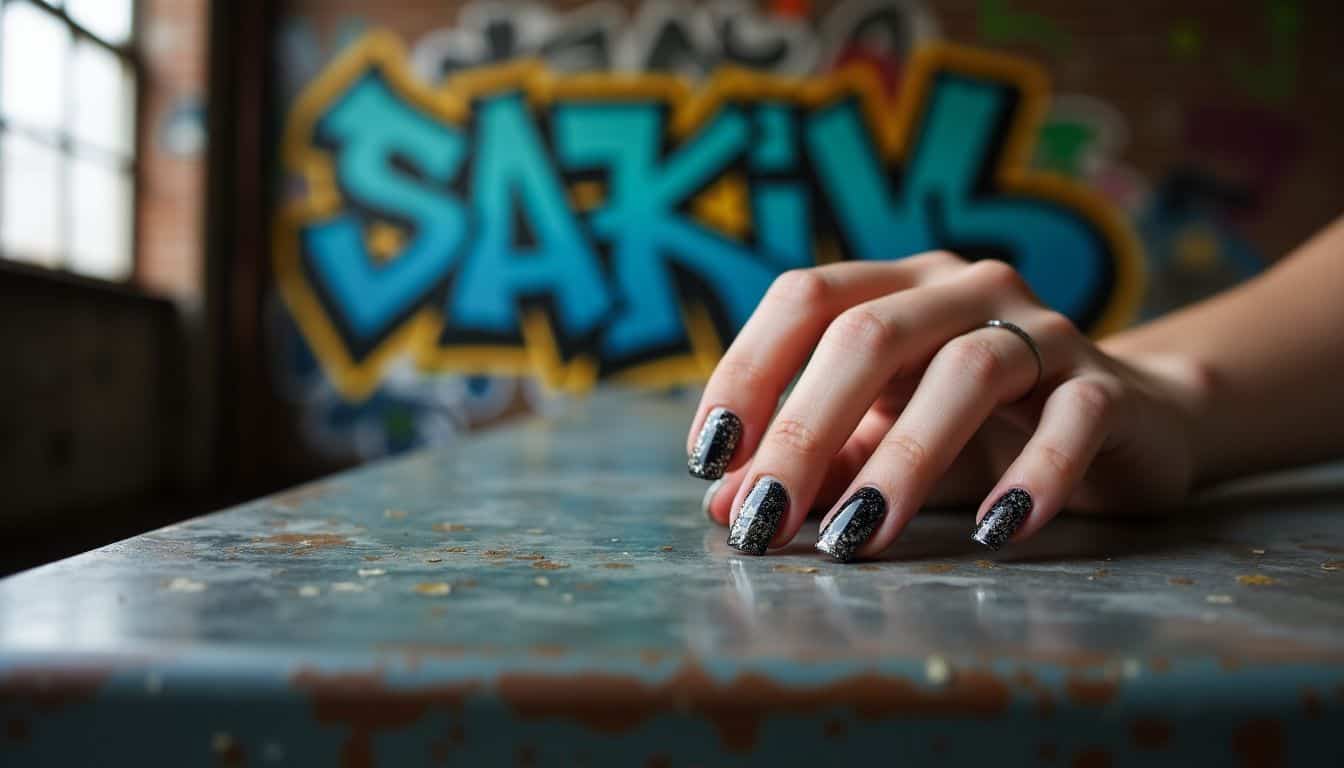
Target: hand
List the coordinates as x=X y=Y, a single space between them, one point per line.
x=908 y=398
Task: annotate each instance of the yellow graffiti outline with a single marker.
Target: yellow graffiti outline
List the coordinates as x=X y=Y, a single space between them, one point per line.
x=889 y=124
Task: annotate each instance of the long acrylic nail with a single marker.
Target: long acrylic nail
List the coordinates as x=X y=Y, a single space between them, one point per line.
x=759 y=517
x=715 y=444
x=1003 y=519
x=710 y=493
x=853 y=524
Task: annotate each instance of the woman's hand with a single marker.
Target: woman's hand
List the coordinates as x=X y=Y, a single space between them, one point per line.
x=907 y=398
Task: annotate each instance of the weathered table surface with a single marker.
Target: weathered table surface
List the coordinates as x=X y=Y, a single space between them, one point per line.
x=551 y=593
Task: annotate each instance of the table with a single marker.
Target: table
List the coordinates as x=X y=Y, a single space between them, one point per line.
x=551 y=594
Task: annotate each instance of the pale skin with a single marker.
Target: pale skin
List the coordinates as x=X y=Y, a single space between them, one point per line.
x=899 y=388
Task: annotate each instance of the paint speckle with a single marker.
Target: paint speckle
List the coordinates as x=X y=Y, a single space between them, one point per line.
x=550 y=565
x=1180 y=581
x=1219 y=599
x=868 y=567
x=450 y=528
x=454 y=550
x=529 y=556
x=796 y=569
x=308 y=590
x=986 y=564
x=1256 y=580
x=939 y=568
x=1257 y=551
x=535 y=531
x=542 y=581
x=936 y=670
x=394 y=514
x=434 y=560
x=665 y=548
x=183 y=584
x=617 y=566
x=495 y=553
x=434 y=588
x=373 y=558
x=1332 y=565
x=368 y=572
x=347 y=586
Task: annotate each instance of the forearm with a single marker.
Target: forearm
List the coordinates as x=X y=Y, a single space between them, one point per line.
x=1269 y=361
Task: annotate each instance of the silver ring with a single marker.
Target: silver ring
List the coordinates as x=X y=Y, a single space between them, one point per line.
x=1031 y=344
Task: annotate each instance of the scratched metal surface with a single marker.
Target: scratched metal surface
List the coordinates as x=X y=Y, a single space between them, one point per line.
x=550 y=594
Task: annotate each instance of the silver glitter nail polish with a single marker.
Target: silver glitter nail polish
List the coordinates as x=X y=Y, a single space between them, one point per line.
x=715 y=444
x=853 y=524
x=759 y=517
x=1003 y=519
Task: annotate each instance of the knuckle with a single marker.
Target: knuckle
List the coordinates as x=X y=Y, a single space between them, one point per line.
x=974 y=357
x=1092 y=398
x=1060 y=462
x=800 y=289
x=1054 y=324
x=795 y=436
x=740 y=375
x=904 y=449
x=942 y=258
x=859 y=329
x=996 y=275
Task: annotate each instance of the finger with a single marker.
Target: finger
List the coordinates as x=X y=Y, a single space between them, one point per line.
x=718 y=500
x=967 y=380
x=1077 y=418
x=745 y=387
x=863 y=350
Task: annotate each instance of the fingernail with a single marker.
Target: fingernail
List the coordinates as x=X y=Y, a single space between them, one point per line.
x=853 y=524
x=715 y=444
x=759 y=517
x=710 y=493
x=1003 y=519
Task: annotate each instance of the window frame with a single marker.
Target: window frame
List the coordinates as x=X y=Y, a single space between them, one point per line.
x=69 y=147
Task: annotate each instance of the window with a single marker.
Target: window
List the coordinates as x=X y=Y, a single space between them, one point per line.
x=67 y=135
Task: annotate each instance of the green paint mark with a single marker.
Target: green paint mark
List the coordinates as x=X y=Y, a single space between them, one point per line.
x=999 y=23
x=1061 y=146
x=1185 y=40
x=1275 y=80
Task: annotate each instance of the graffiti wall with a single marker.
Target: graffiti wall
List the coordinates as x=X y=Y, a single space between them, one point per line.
x=490 y=207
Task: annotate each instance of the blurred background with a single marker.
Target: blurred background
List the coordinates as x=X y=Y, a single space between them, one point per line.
x=153 y=366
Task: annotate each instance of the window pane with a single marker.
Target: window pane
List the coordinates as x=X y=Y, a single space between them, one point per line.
x=32 y=66
x=104 y=100
x=30 y=217
x=108 y=19
x=100 y=236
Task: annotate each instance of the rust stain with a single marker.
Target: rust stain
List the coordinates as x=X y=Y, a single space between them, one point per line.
x=1180 y=581
x=455 y=550
x=869 y=567
x=939 y=568
x=529 y=556
x=665 y=548
x=450 y=527
x=495 y=553
x=50 y=690
x=1332 y=565
x=301 y=495
x=373 y=558
x=1092 y=757
x=394 y=514
x=550 y=565
x=301 y=543
x=1150 y=733
x=618 y=703
x=1094 y=693
x=1256 y=580
x=617 y=566
x=364 y=704
x=1260 y=743
x=986 y=564
x=1312 y=705
x=1332 y=549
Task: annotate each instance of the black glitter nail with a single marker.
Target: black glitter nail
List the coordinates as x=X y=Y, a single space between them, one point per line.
x=1003 y=519
x=715 y=444
x=853 y=524
x=759 y=517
